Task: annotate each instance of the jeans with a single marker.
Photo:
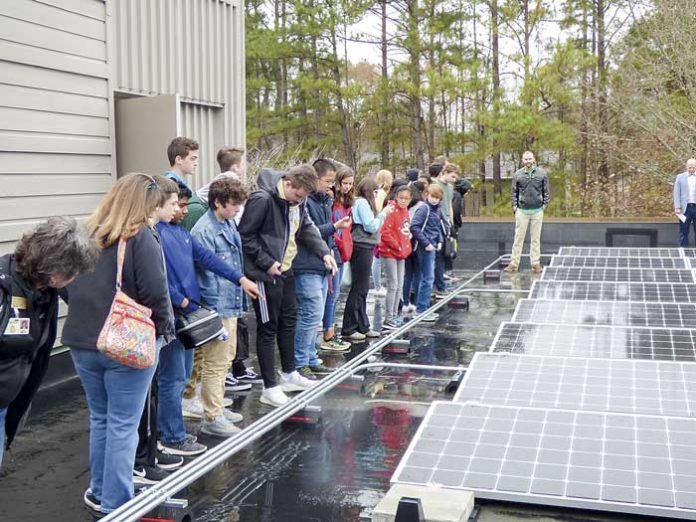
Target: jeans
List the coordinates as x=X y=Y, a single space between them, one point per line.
x=276 y=316
x=172 y=381
x=440 y=270
x=311 y=295
x=522 y=222
x=115 y=398
x=394 y=270
x=426 y=264
x=355 y=317
x=332 y=299
x=377 y=272
x=3 y=413
x=410 y=278
x=690 y=213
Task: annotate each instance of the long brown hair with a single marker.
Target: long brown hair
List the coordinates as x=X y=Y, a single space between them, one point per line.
x=343 y=199
x=366 y=189
x=127 y=207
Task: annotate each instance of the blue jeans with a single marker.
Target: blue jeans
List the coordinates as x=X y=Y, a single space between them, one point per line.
x=332 y=300
x=310 y=290
x=3 y=412
x=171 y=380
x=377 y=272
x=426 y=268
x=690 y=213
x=410 y=278
x=115 y=398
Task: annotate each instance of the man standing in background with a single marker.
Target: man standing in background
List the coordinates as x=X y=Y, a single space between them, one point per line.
x=530 y=196
x=183 y=159
x=685 y=201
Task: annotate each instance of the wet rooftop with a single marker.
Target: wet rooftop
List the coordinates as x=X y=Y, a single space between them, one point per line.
x=338 y=469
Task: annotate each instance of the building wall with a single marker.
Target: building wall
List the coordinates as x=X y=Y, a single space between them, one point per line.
x=55 y=126
x=194 y=48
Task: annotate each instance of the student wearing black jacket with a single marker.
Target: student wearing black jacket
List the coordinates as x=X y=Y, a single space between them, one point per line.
x=45 y=259
x=275 y=221
x=116 y=393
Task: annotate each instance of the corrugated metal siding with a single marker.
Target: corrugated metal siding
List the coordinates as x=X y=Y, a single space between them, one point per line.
x=55 y=135
x=194 y=48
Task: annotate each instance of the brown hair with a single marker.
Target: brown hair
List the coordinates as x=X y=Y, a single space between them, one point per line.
x=384 y=179
x=302 y=176
x=126 y=208
x=167 y=187
x=228 y=157
x=451 y=167
x=227 y=190
x=436 y=191
x=366 y=189
x=57 y=247
x=345 y=200
x=180 y=146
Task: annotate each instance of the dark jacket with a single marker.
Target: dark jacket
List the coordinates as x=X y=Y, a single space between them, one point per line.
x=319 y=206
x=181 y=251
x=265 y=227
x=530 y=190
x=21 y=372
x=90 y=295
x=425 y=225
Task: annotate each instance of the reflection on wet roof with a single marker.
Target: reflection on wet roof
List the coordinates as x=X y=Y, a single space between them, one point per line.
x=613 y=291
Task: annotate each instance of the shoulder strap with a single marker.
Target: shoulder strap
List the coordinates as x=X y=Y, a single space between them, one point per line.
x=120 y=257
x=427 y=215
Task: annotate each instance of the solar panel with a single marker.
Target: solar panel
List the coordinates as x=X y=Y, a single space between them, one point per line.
x=618 y=385
x=634 y=275
x=613 y=291
x=630 y=463
x=615 y=342
x=619 y=313
x=621 y=262
x=626 y=252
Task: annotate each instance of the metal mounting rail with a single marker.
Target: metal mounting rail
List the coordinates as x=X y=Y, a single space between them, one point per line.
x=153 y=497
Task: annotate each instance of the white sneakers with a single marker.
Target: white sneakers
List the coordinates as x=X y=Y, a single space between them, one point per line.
x=220 y=426
x=232 y=416
x=289 y=382
x=192 y=408
x=274 y=397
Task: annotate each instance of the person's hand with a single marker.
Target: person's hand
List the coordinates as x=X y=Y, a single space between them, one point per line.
x=330 y=263
x=249 y=288
x=388 y=209
x=430 y=248
x=342 y=223
x=677 y=212
x=184 y=303
x=274 y=270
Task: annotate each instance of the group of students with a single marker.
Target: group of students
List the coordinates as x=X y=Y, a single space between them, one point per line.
x=284 y=248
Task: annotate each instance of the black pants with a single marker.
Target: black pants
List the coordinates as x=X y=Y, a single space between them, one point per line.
x=238 y=366
x=276 y=316
x=147 y=430
x=355 y=317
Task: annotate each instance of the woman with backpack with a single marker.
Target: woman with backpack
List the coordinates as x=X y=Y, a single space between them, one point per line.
x=394 y=248
x=425 y=228
x=342 y=206
x=367 y=223
x=45 y=259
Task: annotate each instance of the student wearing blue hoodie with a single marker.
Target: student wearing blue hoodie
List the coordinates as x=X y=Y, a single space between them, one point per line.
x=425 y=228
x=182 y=254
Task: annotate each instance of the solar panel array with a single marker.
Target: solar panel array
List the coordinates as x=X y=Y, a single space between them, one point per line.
x=633 y=275
x=611 y=291
x=678 y=263
x=586 y=399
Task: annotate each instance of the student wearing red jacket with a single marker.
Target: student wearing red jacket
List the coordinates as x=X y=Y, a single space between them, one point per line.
x=394 y=248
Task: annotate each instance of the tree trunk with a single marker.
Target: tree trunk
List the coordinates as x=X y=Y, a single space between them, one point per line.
x=415 y=78
x=495 y=71
x=384 y=113
x=348 y=148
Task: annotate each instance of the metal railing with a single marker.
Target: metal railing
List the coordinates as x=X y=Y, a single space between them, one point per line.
x=164 y=490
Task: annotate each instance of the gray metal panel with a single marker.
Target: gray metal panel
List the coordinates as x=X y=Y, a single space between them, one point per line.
x=614 y=291
x=629 y=463
x=626 y=252
x=617 y=313
x=616 y=342
x=617 y=385
x=193 y=48
x=55 y=135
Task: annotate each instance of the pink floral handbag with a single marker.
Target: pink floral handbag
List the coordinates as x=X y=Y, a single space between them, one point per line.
x=128 y=335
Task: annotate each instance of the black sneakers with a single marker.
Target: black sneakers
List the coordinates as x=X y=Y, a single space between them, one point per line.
x=168 y=461
x=144 y=475
x=91 y=501
x=186 y=448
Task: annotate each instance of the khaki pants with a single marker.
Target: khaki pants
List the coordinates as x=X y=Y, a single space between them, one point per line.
x=216 y=359
x=522 y=222
x=190 y=391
